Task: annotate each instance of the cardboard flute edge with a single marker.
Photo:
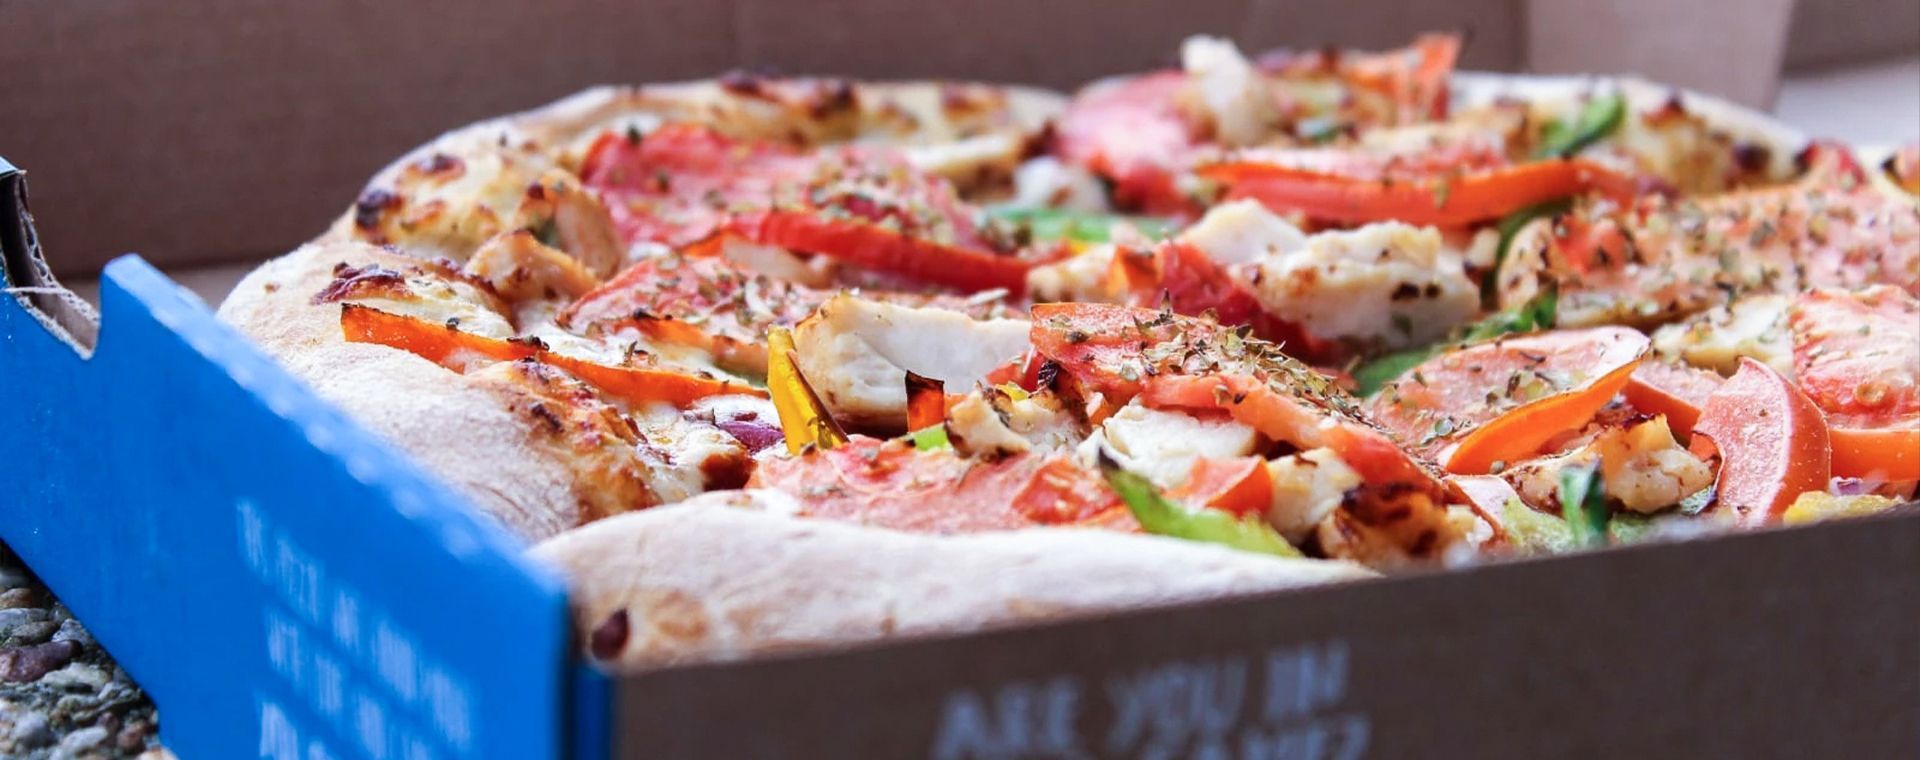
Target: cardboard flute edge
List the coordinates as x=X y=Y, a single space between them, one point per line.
x=274 y=576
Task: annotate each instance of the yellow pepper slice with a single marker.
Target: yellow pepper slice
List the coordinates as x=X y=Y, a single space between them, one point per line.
x=803 y=419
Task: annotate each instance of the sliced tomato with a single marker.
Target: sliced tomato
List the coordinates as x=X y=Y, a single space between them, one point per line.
x=1099 y=348
x=891 y=484
x=1446 y=200
x=1772 y=441
x=1240 y=485
x=871 y=246
x=1185 y=279
x=1136 y=132
x=1673 y=389
x=675 y=185
x=1501 y=401
x=1132 y=132
x=682 y=184
x=454 y=349
x=1298 y=418
x=1857 y=355
x=707 y=293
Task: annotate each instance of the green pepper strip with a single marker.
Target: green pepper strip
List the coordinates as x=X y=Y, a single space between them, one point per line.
x=1601 y=116
x=1583 y=502
x=1160 y=516
x=1046 y=224
x=1537 y=314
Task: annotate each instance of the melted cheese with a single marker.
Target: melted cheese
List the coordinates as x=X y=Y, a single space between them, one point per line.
x=443 y=301
x=1243 y=232
x=1081 y=277
x=1048 y=182
x=1390 y=284
x=990 y=423
x=1307 y=487
x=1715 y=339
x=1229 y=91
x=1162 y=445
x=680 y=452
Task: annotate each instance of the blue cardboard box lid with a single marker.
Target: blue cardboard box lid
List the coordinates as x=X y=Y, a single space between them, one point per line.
x=284 y=584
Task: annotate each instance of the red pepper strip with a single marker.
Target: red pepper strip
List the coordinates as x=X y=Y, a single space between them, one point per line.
x=872 y=247
x=1442 y=201
x=1890 y=454
x=444 y=346
x=926 y=402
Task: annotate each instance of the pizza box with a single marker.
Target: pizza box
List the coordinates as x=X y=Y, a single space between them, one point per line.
x=285 y=585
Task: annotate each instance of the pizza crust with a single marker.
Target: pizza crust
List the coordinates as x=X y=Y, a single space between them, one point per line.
x=561 y=132
x=727 y=575
x=706 y=579
x=460 y=428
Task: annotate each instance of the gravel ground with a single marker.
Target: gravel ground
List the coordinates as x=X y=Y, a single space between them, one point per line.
x=61 y=696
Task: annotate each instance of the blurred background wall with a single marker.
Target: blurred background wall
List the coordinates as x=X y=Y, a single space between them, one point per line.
x=205 y=131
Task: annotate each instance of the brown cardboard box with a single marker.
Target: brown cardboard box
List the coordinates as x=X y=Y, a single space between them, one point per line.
x=207 y=132
x=1755 y=646
x=218 y=131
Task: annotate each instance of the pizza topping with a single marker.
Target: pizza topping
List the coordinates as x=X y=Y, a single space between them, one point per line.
x=1166 y=447
x=1753 y=326
x=521 y=268
x=1477 y=188
x=1903 y=167
x=803 y=418
x=1674 y=391
x=430 y=291
x=642 y=378
x=994 y=421
x=1643 y=468
x=859 y=353
x=1157 y=514
x=1665 y=259
x=861 y=205
x=458 y=199
x=1421 y=291
x=1502 y=401
x=1144 y=133
x=1857 y=355
x=1772 y=442
x=892 y=484
x=1234 y=105
x=1601 y=117
x=1487 y=277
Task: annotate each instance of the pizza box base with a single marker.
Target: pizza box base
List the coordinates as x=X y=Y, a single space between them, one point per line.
x=287 y=586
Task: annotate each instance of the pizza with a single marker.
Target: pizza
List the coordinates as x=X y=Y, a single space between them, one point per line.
x=769 y=363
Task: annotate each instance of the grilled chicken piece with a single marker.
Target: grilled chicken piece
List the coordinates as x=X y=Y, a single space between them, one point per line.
x=856 y=353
